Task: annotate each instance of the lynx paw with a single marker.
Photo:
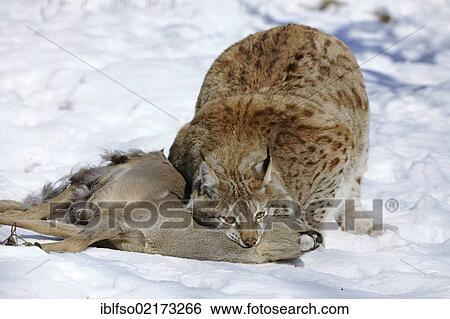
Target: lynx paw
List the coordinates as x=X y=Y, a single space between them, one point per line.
x=310 y=240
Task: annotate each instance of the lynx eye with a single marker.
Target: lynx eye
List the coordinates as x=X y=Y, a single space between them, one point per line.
x=229 y=220
x=260 y=214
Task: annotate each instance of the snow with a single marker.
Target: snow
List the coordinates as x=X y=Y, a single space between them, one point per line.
x=57 y=112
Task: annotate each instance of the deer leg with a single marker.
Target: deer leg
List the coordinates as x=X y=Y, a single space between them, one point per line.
x=25 y=214
x=53 y=228
x=81 y=241
x=41 y=211
x=9 y=205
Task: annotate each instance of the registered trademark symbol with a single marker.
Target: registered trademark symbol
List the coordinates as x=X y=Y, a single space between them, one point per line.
x=391 y=205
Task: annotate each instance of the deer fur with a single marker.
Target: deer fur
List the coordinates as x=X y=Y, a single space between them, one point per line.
x=133 y=178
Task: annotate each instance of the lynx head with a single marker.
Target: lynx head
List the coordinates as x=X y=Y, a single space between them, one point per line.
x=242 y=192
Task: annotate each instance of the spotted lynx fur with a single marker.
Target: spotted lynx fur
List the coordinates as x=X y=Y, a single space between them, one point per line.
x=281 y=115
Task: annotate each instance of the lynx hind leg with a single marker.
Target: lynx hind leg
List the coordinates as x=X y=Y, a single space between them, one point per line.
x=348 y=212
x=82 y=240
x=359 y=221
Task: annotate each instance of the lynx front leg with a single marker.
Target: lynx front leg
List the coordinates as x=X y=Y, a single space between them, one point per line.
x=309 y=238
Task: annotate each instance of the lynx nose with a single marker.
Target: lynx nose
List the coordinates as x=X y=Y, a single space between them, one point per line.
x=250 y=241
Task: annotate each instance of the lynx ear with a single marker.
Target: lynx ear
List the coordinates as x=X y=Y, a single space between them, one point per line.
x=263 y=169
x=208 y=179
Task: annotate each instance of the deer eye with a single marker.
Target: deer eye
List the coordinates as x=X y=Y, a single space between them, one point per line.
x=260 y=214
x=229 y=220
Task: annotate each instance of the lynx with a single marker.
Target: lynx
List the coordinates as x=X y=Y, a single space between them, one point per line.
x=139 y=178
x=281 y=116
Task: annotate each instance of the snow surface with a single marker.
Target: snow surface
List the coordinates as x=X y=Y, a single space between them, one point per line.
x=56 y=112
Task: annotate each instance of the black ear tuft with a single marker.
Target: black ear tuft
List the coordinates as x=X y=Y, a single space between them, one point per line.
x=208 y=179
x=263 y=169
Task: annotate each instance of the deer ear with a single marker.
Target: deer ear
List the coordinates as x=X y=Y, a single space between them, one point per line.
x=263 y=169
x=208 y=179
